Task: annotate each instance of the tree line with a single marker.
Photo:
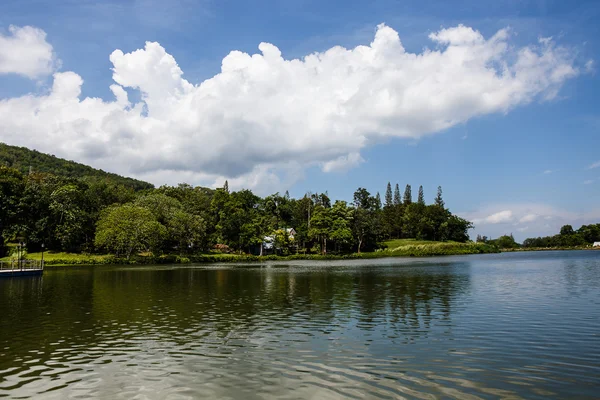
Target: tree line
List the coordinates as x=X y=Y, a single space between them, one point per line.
x=586 y=235
x=101 y=215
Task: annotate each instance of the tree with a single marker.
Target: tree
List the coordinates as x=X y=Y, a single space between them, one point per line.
x=162 y=206
x=187 y=230
x=66 y=202
x=362 y=198
x=366 y=224
x=457 y=229
x=421 y=198
x=340 y=231
x=377 y=201
x=505 y=242
x=320 y=226
x=407 y=195
x=438 y=198
x=11 y=190
x=128 y=228
x=397 y=200
x=388 y=195
x=566 y=230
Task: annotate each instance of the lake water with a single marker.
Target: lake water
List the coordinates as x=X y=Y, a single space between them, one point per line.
x=517 y=325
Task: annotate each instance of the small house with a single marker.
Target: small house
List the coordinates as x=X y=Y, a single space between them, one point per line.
x=596 y=244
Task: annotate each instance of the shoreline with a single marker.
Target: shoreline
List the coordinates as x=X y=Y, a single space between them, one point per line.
x=409 y=251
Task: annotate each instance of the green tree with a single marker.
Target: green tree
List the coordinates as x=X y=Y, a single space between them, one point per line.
x=388 y=196
x=187 y=230
x=566 y=230
x=407 y=195
x=421 y=198
x=397 y=200
x=377 y=201
x=438 y=198
x=341 y=230
x=320 y=226
x=505 y=242
x=11 y=190
x=127 y=229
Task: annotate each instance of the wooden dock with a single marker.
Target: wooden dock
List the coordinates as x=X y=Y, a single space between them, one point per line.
x=21 y=268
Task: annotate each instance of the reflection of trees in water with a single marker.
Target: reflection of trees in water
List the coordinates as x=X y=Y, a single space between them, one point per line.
x=410 y=299
x=84 y=306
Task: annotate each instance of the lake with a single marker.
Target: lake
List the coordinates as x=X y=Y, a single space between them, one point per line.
x=514 y=325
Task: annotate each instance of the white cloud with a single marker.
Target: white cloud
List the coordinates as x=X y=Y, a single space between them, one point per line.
x=343 y=163
x=496 y=218
x=26 y=52
x=589 y=181
x=594 y=165
x=548 y=171
x=262 y=113
x=589 y=66
x=528 y=218
x=537 y=219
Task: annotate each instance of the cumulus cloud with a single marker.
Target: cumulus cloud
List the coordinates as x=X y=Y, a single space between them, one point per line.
x=528 y=218
x=343 y=163
x=25 y=51
x=496 y=218
x=266 y=117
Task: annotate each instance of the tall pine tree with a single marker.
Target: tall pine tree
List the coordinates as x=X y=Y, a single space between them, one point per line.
x=378 y=201
x=421 y=198
x=438 y=199
x=407 y=195
x=397 y=195
x=388 y=195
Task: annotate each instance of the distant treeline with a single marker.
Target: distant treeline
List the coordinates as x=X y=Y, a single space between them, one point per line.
x=94 y=215
x=24 y=159
x=568 y=237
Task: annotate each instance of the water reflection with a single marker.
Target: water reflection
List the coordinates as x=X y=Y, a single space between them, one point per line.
x=416 y=329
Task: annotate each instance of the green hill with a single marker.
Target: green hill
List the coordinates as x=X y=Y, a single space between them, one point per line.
x=23 y=159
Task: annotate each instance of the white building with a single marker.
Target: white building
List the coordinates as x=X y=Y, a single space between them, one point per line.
x=596 y=244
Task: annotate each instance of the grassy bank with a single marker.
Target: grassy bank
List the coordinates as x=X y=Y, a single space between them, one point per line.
x=394 y=248
x=519 y=249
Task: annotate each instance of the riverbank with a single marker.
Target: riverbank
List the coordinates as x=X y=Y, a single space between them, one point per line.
x=395 y=248
x=522 y=249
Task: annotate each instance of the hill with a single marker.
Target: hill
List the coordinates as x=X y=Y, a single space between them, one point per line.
x=23 y=158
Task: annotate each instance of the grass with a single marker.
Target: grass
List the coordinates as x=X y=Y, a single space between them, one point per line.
x=421 y=248
x=394 y=243
x=394 y=248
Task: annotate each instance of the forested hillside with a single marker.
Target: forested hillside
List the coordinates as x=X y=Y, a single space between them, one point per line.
x=23 y=159
x=78 y=215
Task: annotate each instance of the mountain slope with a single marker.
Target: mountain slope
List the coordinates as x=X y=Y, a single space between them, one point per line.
x=23 y=158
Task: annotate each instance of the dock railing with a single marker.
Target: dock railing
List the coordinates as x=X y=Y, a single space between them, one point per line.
x=21 y=265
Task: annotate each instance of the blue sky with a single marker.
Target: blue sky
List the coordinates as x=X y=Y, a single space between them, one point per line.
x=520 y=168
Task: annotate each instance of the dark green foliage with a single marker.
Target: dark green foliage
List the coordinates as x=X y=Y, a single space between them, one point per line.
x=438 y=198
x=407 y=195
x=88 y=214
x=421 y=198
x=388 y=196
x=397 y=200
x=23 y=159
x=568 y=237
x=566 y=230
x=505 y=242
